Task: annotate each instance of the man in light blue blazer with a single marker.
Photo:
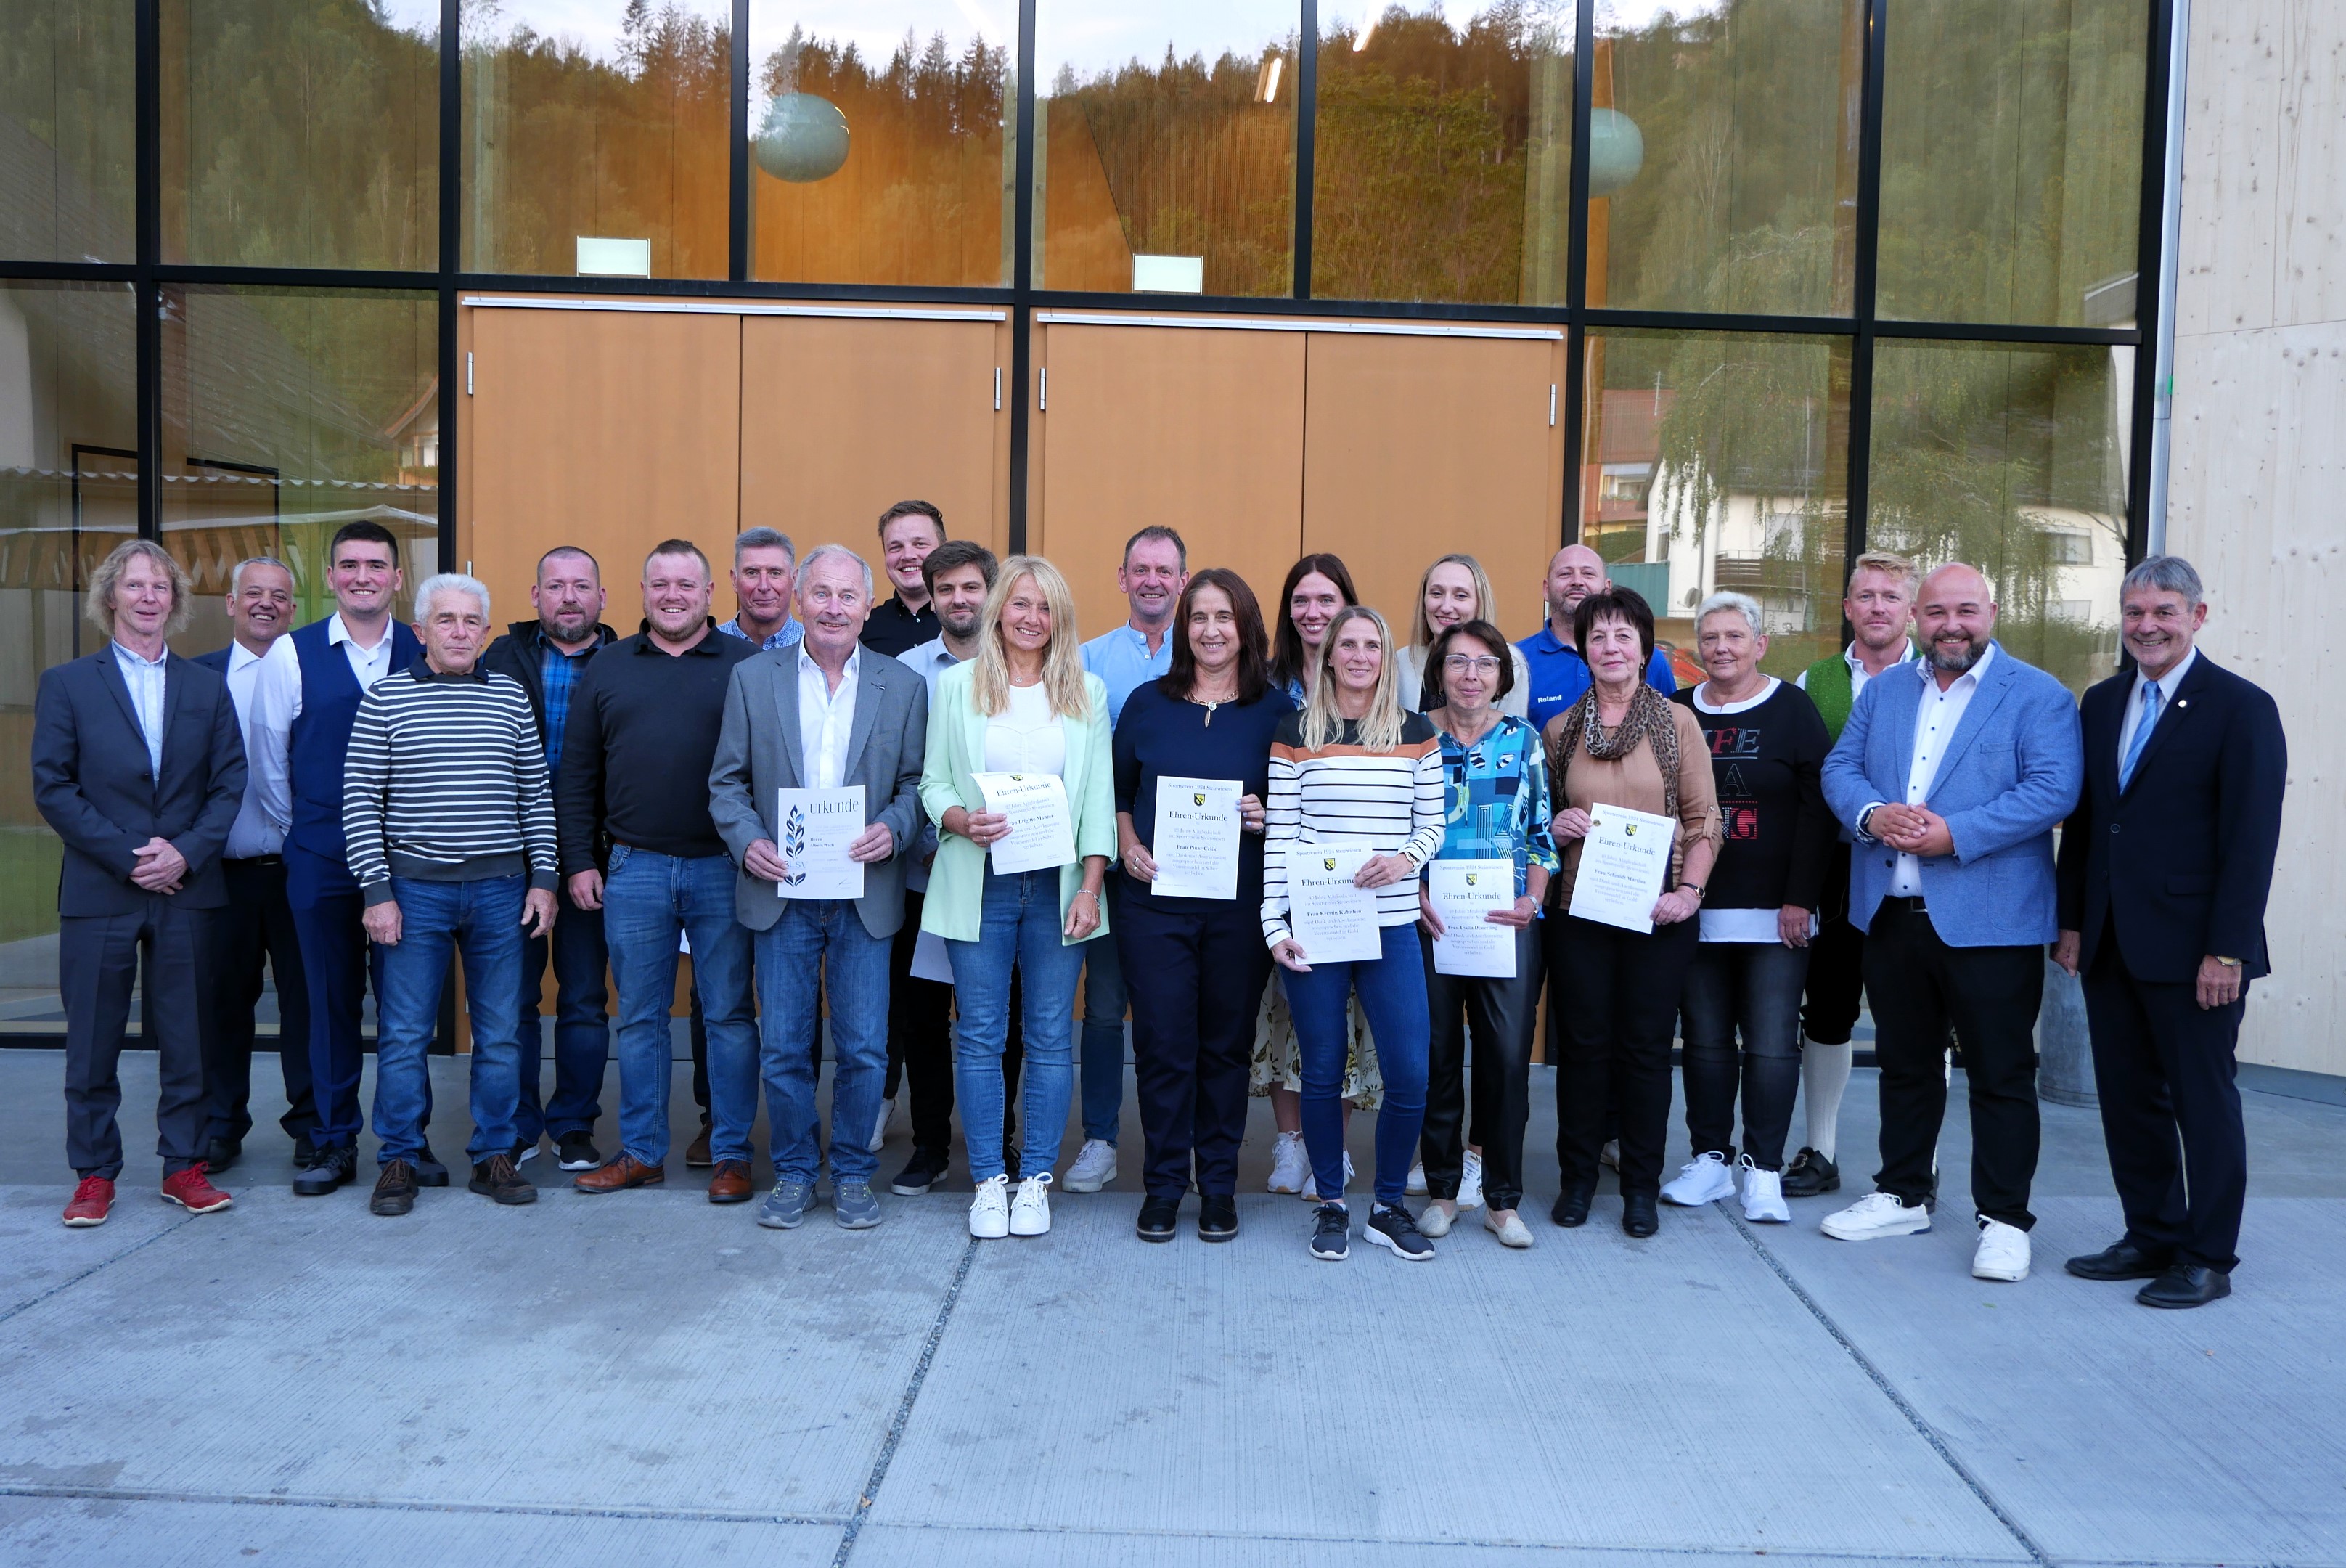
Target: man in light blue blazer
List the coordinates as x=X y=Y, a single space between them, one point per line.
x=1951 y=774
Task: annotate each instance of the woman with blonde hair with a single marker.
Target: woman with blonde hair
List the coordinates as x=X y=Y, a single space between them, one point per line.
x=1025 y=705
x=1455 y=590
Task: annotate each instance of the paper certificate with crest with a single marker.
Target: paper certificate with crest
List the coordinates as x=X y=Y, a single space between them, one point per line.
x=1197 y=842
x=1463 y=893
x=814 y=829
x=1623 y=864
x=1334 y=922
x=1042 y=830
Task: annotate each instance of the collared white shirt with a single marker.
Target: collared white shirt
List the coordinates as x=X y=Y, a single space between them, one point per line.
x=825 y=719
x=1936 y=718
x=2168 y=684
x=145 y=679
x=282 y=666
x=261 y=711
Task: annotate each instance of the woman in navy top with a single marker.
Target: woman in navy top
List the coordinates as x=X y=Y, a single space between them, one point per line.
x=1195 y=966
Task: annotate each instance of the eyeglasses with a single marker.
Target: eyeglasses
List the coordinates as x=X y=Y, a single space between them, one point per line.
x=1459 y=663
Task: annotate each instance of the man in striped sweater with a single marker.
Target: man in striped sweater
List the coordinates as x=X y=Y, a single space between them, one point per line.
x=449 y=819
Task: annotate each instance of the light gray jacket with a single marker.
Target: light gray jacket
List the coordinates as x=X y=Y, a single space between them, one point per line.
x=758 y=751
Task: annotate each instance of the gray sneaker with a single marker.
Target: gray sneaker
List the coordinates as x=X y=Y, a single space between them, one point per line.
x=853 y=1206
x=785 y=1206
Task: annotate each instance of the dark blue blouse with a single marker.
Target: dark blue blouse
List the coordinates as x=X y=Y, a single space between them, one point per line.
x=1162 y=735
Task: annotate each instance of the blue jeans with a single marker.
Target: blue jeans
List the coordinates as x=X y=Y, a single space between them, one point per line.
x=482 y=921
x=648 y=899
x=1393 y=995
x=1752 y=988
x=582 y=1034
x=825 y=940
x=1020 y=925
x=1102 y=1068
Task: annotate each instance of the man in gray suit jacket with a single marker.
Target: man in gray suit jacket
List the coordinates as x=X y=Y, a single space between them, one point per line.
x=824 y=715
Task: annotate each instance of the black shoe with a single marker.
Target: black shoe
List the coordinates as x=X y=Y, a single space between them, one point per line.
x=2120 y=1260
x=428 y=1171
x=2186 y=1285
x=331 y=1168
x=575 y=1151
x=305 y=1154
x=1217 y=1217
x=1810 y=1174
x=1159 y=1218
x=1010 y=1161
x=394 y=1189
x=921 y=1172
x=222 y=1152
x=523 y=1152
x=1332 y=1232
x=1638 y=1216
x=499 y=1179
x=1571 y=1210
x=1396 y=1230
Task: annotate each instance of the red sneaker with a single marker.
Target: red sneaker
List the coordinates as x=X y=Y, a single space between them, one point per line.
x=191 y=1192
x=92 y=1202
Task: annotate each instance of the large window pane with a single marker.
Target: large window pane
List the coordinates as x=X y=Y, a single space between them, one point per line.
x=1165 y=146
x=877 y=142
x=2012 y=160
x=66 y=130
x=302 y=133
x=1723 y=155
x=596 y=136
x=1716 y=461
x=2013 y=459
x=1443 y=158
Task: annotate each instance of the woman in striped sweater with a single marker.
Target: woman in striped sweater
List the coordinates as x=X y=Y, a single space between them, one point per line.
x=1355 y=770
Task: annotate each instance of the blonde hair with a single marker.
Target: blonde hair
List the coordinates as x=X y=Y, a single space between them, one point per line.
x=1888 y=564
x=1421 y=632
x=97 y=608
x=1380 y=726
x=1063 y=660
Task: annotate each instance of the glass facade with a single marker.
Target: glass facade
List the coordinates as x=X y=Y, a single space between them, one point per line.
x=67 y=142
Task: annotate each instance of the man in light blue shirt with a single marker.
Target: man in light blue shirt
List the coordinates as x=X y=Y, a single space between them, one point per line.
x=765 y=573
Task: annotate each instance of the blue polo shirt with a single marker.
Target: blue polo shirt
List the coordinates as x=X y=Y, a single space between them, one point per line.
x=1560 y=675
x=1122 y=660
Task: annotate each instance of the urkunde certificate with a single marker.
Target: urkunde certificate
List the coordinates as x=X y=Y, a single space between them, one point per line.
x=814 y=829
x=1463 y=893
x=1334 y=922
x=1042 y=832
x=1197 y=842
x=1623 y=864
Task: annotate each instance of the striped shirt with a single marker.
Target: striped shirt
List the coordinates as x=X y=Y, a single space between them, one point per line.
x=446 y=782
x=1391 y=802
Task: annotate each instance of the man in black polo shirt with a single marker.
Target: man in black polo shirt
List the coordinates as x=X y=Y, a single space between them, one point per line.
x=908 y=531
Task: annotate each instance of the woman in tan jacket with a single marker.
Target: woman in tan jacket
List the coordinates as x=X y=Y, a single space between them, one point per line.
x=1623 y=744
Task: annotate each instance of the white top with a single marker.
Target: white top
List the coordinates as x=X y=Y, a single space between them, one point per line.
x=1857 y=674
x=1935 y=722
x=145 y=678
x=2168 y=684
x=825 y=718
x=261 y=711
x=1767 y=690
x=1027 y=738
x=281 y=667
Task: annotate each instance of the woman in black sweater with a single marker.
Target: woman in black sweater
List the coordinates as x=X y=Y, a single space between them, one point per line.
x=1768 y=746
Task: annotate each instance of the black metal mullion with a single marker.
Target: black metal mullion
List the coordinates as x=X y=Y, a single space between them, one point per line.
x=146 y=67
x=451 y=257
x=2149 y=276
x=1022 y=279
x=738 y=203
x=1863 y=285
x=1575 y=269
x=1307 y=140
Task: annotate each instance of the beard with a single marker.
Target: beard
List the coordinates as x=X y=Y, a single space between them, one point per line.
x=1957 y=662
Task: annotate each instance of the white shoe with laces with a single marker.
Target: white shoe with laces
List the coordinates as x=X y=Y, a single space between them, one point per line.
x=880 y=1128
x=1095 y=1166
x=1874 y=1216
x=1291 y=1168
x=1415 y=1186
x=1311 y=1187
x=1470 y=1182
x=2003 y=1252
x=1705 y=1178
x=1763 y=1193
x=989 y=1211
x=1030 y=1210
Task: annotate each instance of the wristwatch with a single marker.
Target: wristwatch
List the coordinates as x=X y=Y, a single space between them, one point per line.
x=1865 y=817
x=2227 y=962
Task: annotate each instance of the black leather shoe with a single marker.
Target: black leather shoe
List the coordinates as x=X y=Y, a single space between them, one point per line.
x=1810 y=1174
x=222 y=1152
x=2186 y=1285
x=1638 y=1216
x=1217 y=1217
x=2119 y=1260
x=330 y=1169
x=1159 y=1218
x=428 y=1171
x=394 y=1190
x=499 y=1179
x=1571 y=1209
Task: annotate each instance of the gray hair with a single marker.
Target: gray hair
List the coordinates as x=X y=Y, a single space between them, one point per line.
x=98 y=606
x=835 y=552
x=1743 y=605
x=236 y=579
x=441 y=583
x=2165 y=574
x=763 y=539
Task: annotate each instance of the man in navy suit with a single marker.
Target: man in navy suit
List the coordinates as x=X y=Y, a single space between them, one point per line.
x=1951 y=775
x=2164 y=873
x=138 y=767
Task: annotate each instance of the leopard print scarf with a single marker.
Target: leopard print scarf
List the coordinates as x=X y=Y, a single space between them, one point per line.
x=1650 y=720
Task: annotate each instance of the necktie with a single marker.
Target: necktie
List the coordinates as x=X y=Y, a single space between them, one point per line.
x=2141 y=734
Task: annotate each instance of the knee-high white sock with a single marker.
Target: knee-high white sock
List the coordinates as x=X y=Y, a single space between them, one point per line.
x=1824 y=1073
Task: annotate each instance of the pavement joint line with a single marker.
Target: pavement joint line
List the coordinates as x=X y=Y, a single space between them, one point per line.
x=870 y=1495
x=408 y=1505
x=1905 y=1406
x=21 y=1307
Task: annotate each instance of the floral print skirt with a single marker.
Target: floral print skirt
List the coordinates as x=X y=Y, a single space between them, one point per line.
x=1278 y=1064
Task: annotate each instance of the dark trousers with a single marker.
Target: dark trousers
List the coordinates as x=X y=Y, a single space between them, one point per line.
x=1751 y=989
x=2170 y=1110
x=254 y=936
x=1192 y=975
x=582 y=1025
x=920 y=1037
x=1918 y=986
x=1836 y=974
x=100 y=958
x=1501 y=1014
x=338 y=964
x=1621 y=991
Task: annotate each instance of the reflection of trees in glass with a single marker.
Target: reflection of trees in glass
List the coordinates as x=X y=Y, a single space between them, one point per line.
x=65 y=81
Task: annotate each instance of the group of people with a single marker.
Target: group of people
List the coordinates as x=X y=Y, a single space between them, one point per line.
x=353 y=803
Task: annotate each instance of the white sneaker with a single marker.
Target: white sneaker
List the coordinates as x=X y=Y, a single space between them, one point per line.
x=1470 y=1183
x=1311 y=1187
x=1611 y=1152
x=1415 y=1186
x=1095 y=1166
x=1291 y=1168
x=2003 y=1251
x=1030 y=1211
x=880 y=1128
x=1702 y=1179
x=1876 y=1214
x=1763 y=1194
x=989 y=1211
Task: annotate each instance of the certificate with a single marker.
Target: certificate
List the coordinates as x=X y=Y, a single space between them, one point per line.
x=1042 y=830
x=1197 y=842
x=1334 y=922
x=1464 y=893
x=1623 y=864
x=814 y=829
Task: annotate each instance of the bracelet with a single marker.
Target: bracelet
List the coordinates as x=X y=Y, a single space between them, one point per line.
x=1092 y=893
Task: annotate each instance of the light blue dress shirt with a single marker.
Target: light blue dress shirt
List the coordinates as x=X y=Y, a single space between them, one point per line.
x=144 y=677
x=1122 y=660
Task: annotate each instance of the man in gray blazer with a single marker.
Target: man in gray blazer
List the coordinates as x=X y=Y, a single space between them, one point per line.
x=823 y=715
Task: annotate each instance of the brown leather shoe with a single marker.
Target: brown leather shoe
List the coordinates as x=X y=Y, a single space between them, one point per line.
x=696 y=1154
x=731 y=1184
x=623 y=1171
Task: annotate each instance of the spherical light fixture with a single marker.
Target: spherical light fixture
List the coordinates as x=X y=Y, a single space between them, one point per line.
x=1616 y=151
x=802 y=138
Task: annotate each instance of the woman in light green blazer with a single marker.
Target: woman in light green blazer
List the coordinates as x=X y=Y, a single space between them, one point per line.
x=1025 y=705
